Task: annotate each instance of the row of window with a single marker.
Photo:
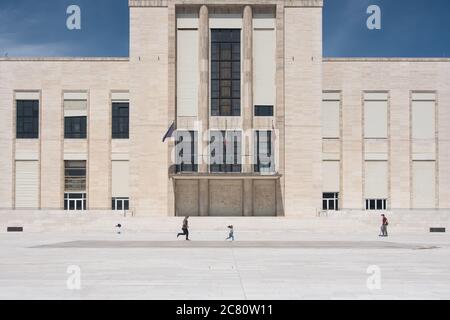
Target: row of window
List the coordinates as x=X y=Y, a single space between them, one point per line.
x=330 y=202
x=225 y=150
x=77 y=202
x=75 y=126
x=75 y=188
x=375 y=115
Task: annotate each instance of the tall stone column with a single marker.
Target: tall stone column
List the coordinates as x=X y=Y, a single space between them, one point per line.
x=247 y=112
x=203 y=92
x=203 y=106
x=247 y=94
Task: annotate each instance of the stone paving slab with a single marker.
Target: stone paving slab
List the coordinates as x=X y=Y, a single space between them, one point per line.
x=236 y=244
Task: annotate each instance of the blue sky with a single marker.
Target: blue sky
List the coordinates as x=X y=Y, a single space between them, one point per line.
x=410 y=28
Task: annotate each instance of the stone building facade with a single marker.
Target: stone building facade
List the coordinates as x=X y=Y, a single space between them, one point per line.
x=243 y=79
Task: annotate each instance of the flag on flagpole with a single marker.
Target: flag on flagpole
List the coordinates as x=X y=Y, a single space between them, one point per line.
x=169 y=131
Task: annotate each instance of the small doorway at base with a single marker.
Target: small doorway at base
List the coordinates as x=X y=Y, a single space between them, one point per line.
x=75 y=201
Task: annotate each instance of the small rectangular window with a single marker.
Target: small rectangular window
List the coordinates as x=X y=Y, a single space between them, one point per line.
x=263 y=111
x=75 y=201
x=330 y=201
x=27 y=119
x=120 y=203
x=376 y=204
x=75 y=127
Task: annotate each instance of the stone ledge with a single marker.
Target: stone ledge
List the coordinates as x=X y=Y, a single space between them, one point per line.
x=107 y=59
x=381 y=59
x=165 y=3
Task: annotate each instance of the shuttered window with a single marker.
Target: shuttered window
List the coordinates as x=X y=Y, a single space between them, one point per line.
x=27 y=184
x=376 y=115
x=376 y=180
x=264 y=42
x=187 y=72
x=331 y=117
x=120 y=178
x=424 y=184
x=331 y=173
x=423 y=116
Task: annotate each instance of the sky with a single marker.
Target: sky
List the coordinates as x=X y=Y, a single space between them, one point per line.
x=409 y=28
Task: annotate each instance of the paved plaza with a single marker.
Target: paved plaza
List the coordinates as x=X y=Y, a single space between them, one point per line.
x=286 y=266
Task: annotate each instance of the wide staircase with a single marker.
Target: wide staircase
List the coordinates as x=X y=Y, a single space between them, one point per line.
x=346 y=221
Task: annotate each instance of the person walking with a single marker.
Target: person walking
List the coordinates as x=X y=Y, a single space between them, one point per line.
x=384 y=224
x=231 y=233
x=184 y=228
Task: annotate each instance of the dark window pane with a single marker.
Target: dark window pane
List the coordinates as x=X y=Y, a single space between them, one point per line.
x=75 y=127
x=263 y=111
x=120 y=120
x=225 y=72
x=126 y=205
x=119 y=205
x=27 y=119
x=372 y=204
x=331 y=204
x=379 y=204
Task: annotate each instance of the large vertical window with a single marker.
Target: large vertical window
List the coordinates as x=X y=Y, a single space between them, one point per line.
x=225 y=151
x=27 y=121
x=186 y=151
x=225 y=72
x=120 y=120
x=263 y=156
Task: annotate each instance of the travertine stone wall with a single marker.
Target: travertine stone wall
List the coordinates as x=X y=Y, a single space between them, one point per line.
x=187 y=192
x=53 y=76
x=264 y=197
x=229 y=203
x=303 y=92
x=399 y=77
x=149 y=99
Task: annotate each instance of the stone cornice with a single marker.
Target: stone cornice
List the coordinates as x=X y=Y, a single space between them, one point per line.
x=165 y=3
x=381 y=59
x=100 y=59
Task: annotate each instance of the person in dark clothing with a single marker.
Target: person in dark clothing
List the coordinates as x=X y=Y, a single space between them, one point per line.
x=231 y=233
x=384 y=224
x=184 y=228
